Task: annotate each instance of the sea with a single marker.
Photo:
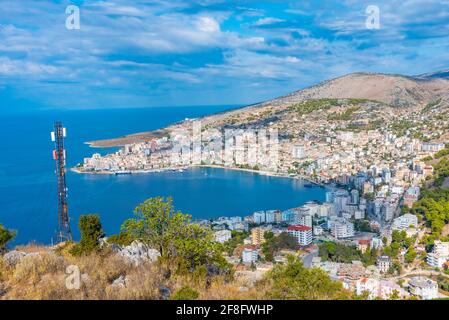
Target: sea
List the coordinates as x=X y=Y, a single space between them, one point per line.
x=28 y=198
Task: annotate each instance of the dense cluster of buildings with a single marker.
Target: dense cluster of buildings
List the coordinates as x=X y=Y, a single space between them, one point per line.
x=372 y=174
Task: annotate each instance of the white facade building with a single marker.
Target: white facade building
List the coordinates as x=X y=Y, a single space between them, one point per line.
x=405 y=221
x=250 y=254
x=342 y=228
x=270 y=216
x=302 y=233
x=439 y=254
x=222 y=236
x=424 y=288
x=259 y=217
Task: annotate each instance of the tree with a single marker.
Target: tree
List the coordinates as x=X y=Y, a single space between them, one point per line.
x=5 y=236
x=405 y=209
x=410 y=255
x=293 y=281
x=180 y=242
x=91 y=232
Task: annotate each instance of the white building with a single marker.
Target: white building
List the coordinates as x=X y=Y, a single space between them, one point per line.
x=270 y=216
x=325 y=210
x=359 y=214
x=250 y=254
x=423 y=287
x=222 y=236
x=259 y=217
x=302 y=233
x=342 y=228
x=303 y=219
x=312 y=207
x=383 y=289
x=383 y=263
x=376 y=243
x=439 y=254
x=405 y=221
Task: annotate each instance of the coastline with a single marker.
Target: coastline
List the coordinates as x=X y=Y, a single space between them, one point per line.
x=260 y=172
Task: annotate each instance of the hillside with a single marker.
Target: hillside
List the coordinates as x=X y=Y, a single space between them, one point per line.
x=395 y=94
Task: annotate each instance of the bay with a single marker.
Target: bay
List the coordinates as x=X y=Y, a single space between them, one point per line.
x=28 y=201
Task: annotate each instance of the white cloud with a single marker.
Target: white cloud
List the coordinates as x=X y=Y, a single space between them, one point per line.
x=267 y=21
x=208 y=25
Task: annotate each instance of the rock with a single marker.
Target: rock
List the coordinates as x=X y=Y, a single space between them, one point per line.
x=85 y=278
x=164 y=293
x=103 y=242
x=212 y=270
x=12 y=258
x=120 y=282
x=243 y=289
x=2 y=289
x=138 y=252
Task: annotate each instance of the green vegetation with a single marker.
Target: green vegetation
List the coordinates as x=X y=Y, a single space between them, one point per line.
x=433 y=205
x=358 y=127
x=442 y=153
x=430 y=106
x=237 y=238
x=309 y=106
x=344 y=116
x=185 y=293
x=363 y=226
x=5 y=237
x=399 y=241
x=273 y=244
x=441 y=171
x=338 y=252
x=183 y=245
x=443 y=283
x=293 y=281
x=122 y=239
x=410 y=255
x=248 y=167
x=91 y=232
x=400 y=127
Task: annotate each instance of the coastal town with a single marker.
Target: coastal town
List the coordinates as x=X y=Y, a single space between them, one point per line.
x=366 y=234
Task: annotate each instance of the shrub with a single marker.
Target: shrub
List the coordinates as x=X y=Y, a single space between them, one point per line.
x=91 y=232
x=5 y=236
x=185 y=293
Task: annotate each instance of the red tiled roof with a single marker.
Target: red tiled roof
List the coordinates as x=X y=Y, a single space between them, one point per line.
x=364 y=241
x=298 y=227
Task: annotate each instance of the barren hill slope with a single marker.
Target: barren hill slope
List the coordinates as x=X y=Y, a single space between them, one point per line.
x=387 y=91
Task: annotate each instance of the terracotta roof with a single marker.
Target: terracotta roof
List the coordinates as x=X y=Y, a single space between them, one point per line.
x=298 y=227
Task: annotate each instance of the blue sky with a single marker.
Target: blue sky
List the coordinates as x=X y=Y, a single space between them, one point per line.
x=146 y=53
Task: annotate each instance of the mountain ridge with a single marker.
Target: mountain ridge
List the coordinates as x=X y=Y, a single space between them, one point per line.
x=412 y=93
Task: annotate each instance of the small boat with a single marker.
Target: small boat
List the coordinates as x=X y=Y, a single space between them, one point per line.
x=123 y=172
x=308 y=185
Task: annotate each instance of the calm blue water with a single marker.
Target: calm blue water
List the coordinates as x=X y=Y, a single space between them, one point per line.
x=28 y=188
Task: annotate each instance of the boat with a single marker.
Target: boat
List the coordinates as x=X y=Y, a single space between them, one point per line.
x=123 y=172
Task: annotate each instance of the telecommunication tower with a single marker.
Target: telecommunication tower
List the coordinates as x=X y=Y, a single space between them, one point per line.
x=59 y=155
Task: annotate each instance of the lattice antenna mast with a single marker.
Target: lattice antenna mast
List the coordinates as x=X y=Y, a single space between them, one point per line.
x=59 y=155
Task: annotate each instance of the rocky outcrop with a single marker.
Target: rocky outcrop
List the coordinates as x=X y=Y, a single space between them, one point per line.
x=12 y=258
x=137 y=253
x=120 y=282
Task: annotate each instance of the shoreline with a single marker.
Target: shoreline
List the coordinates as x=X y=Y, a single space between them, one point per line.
x=260 y=172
